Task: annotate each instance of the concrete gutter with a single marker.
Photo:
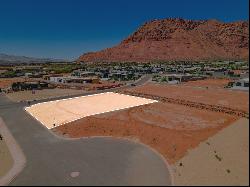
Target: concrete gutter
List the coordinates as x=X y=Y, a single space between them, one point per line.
x=16 y=153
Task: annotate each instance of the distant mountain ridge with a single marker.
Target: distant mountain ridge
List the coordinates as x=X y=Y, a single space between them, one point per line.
x=6 y=58
x=176 y=39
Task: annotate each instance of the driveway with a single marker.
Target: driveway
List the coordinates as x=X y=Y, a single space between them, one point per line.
x=97 y=161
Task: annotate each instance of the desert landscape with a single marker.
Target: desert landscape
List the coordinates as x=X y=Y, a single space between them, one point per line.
x=128 y=93
x=159 y=123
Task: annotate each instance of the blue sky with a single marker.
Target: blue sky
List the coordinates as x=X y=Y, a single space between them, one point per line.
x=68 y=28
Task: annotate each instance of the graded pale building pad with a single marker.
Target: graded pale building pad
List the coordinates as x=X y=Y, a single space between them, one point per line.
x=55 y=113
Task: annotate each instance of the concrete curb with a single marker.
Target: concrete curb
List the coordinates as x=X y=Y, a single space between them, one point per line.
x=16 y=153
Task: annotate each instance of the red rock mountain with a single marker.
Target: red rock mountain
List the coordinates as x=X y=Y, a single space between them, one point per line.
x=179 y=39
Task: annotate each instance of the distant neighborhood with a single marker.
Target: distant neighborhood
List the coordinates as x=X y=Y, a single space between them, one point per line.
x=105 y=76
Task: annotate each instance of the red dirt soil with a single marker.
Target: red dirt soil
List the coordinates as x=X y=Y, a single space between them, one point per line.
x=170 y=129
x=210 y=83
x=234 y=99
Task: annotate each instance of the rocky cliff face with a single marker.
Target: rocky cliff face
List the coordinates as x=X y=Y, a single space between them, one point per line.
x=179 y=39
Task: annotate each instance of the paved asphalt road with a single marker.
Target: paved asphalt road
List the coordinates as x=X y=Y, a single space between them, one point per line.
x=100 y=161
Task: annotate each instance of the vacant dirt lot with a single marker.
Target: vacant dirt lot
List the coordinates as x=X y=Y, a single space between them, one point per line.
x=174 y=130
x=210 y=83
x=42 y=94
x=234 y=99
x=59 y=112
x=170 y=129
